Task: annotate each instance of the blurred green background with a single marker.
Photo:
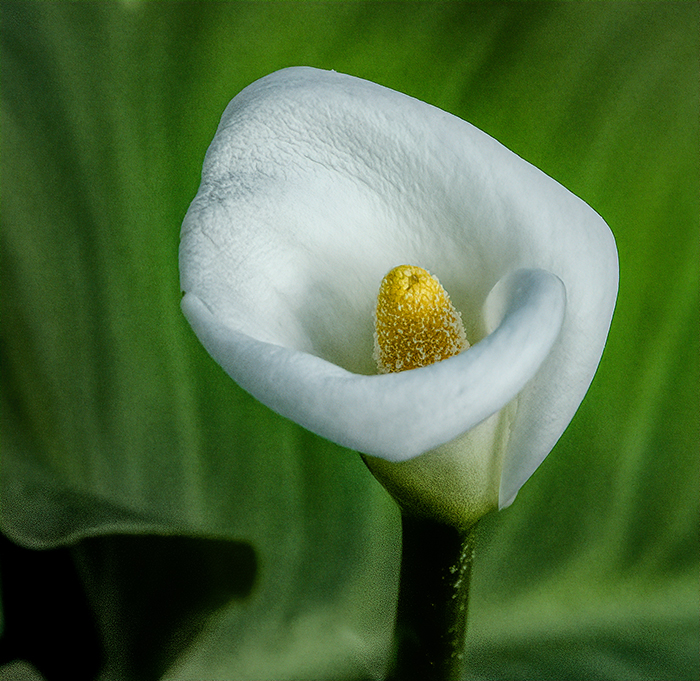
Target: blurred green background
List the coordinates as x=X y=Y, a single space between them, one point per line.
x=189 y=532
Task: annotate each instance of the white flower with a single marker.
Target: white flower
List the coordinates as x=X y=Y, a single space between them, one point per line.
x=316 y=184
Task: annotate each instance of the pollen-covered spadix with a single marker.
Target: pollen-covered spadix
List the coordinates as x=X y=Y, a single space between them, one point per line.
x=315 y=185
x=415 y=323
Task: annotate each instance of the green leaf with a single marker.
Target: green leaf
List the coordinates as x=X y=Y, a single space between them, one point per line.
x=116 y=422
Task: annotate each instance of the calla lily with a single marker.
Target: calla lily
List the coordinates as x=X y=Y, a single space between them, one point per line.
x=316 y=184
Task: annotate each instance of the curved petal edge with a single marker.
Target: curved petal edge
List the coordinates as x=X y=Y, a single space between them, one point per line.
x=398 y=416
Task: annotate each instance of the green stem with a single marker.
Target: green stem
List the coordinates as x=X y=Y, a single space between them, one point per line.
x=431 y=621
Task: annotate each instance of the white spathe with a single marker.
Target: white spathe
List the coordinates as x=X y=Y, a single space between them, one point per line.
x=316 y=184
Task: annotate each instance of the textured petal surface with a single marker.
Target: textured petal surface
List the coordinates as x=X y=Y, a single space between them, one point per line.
x=317 y=183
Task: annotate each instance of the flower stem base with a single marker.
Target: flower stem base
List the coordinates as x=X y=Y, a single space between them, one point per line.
x=431 y=621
